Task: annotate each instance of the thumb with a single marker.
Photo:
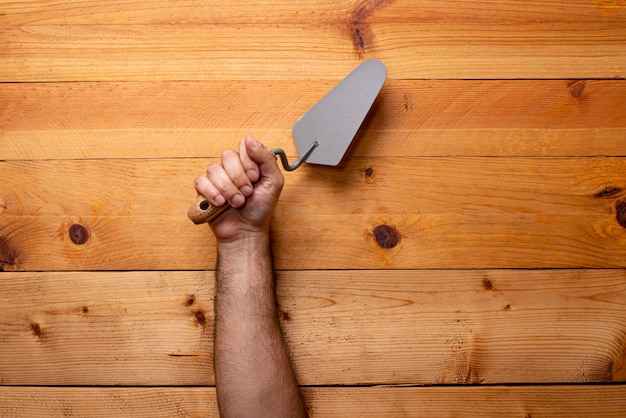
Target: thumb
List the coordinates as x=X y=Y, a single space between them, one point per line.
x=263 y=157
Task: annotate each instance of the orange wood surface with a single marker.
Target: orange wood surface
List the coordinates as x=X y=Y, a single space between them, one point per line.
x=466 y=259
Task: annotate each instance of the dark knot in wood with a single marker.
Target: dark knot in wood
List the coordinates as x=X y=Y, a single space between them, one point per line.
x=79 y=234
x=621 y=213
x=7 y=255
x=359 y=27
x=576 y=88
x=200 y=317
x=608 y=192
x=386 y=236
x=284 y=316
x=36 y=329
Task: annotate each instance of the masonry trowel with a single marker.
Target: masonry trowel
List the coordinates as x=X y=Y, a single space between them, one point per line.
x=325 y=132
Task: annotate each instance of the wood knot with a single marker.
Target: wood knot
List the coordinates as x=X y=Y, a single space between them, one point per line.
x=200 y=317
x=359 y=41
x=359 y=27
x=386 y=236
x=576 y=88
x=608 y=191
x=78 y=234
x=191 y=299
x=7 y=255
x=487 y=284
x=370 y=175
x=284 y=315
x=36 y=329
x=621 y=213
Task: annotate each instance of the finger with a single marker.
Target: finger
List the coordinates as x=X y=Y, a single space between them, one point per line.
x=251 y=168
x=231 y=161
x=209 y=191
x=265 y=159
x=224 y=184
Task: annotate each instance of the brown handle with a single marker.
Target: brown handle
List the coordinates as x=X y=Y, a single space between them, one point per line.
x=202 y=211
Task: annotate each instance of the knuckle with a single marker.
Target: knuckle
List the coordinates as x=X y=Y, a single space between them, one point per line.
x=201 y=183
x=229 y=153
x=213 y=168
x=229 y=190
x=241 y=179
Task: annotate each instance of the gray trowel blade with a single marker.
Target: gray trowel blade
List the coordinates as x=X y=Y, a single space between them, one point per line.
x=336 y=118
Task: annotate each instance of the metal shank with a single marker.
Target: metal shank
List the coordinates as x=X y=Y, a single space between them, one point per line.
x=299 y=161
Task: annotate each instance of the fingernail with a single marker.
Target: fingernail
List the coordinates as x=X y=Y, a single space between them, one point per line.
x=246 y=190
x=237 y=200
x=219 y=200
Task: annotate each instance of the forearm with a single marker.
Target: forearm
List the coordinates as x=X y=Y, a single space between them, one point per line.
x=252 y=368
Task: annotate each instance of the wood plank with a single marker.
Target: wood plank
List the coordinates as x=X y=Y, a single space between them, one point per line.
x=468 y=326
x=342 y=327
x=339 y=241
x=411 y=117
x=422 y=50
x=27 y=402
x=440 y=212
x=174 y=52
x=45 y=12
x=498 y=401
x=107 y=329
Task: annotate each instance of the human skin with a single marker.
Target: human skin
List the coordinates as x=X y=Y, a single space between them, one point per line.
x=253 y=372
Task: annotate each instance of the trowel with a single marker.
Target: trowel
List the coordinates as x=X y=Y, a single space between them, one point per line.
x=325 y=132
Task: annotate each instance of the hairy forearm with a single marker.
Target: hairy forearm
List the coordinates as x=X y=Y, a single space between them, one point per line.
x=253 y=371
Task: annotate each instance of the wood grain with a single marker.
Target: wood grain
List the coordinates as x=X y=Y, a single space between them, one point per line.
x=342 y=327
x=291 y=51
x=496 y=143
x=423 y=241
x=27 y=402
x=107 y=329
x=498 y=401
x=44 y=12
x=410 y=117
x=442 y=212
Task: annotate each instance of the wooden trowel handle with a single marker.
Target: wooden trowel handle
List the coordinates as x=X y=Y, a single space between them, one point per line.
x=202 y=211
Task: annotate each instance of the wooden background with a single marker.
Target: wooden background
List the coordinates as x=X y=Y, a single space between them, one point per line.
x=467 y=259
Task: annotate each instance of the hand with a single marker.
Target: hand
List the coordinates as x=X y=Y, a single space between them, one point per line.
x=251 y=182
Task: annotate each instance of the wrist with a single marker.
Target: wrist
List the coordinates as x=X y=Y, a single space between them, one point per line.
x=245 y=260
x=244 y=242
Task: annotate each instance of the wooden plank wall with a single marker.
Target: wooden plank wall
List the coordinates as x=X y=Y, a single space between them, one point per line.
x=467 y=259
